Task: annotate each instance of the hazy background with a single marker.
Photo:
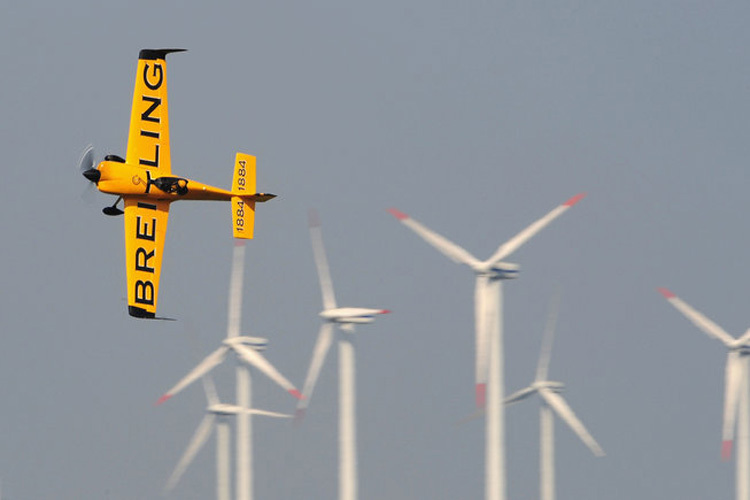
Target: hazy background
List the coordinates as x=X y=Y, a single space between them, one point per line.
x=475 y=118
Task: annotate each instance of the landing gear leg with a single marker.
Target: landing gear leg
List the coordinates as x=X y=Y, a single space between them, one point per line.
x=113 y=210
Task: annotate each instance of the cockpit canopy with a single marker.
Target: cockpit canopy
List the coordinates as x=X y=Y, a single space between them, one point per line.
x=172 y=185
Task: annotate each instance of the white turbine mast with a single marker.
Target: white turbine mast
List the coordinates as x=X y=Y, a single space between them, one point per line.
x=489 y=360
x=217 y=416
x=552 y=403
x=736 y=401
x=246 y=350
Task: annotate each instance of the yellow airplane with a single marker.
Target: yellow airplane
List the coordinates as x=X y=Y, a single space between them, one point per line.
x=145 y=184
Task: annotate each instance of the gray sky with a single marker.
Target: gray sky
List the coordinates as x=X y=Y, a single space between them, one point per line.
x=476 y=120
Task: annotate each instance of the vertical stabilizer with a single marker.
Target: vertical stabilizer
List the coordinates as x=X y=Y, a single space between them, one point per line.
x=243 y=184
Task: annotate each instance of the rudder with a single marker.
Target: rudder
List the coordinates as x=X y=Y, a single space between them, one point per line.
x=245 y=196
x=243 y=183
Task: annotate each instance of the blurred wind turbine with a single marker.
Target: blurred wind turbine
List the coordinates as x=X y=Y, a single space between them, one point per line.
x=217 y=415
x=736 y=403
x=346 y=318
x=488 y=331
x=246 y=350
x=548 y=391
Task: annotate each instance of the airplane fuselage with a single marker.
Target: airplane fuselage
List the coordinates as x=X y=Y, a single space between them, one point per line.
x=128 y=180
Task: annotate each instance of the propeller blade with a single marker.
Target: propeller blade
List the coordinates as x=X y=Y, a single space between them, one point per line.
x=549 y=337
x=703 y=323
x=86 y=162
x=558 y=404
x=514 y=243
x=203 y=367
x=321 y=262
x=445 y=246
x=256 y=360
x=733 y=384
x=322 y=344
x=196 y=443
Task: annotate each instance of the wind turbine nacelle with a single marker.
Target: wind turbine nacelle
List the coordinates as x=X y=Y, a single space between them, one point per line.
x=553 y=385
x=505 y=271
x=225 y=409
x=352 y=314
x=357 y=320
x=257 y=343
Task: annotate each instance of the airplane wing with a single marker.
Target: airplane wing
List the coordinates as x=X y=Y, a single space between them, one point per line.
x=145 y=231
x=148 y=138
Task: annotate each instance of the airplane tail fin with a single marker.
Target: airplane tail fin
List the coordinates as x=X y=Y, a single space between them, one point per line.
x=245 y=196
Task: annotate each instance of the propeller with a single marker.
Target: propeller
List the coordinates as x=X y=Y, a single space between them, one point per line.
x=86 y=168
x=86 y=165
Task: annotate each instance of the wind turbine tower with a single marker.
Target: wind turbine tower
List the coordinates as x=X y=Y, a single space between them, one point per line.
x=246 y=350
x=345 y=318
x=736 y=403
x=552 y=403
x=488 y=312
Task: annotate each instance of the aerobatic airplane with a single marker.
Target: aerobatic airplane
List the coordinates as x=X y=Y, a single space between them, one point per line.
x=146 y=186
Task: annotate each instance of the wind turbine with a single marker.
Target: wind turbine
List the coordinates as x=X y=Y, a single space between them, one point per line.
x=346 y=318
x=217 y=415
x=246 y=351
x=488 y=331
x=736 y=403
x=552 y=403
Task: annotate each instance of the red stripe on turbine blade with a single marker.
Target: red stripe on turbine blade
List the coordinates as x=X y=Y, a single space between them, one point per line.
x=667 y=294
x=296 y=394
x=385 y=311
x=481 y=395
x=726 y=450
x=239 y=242
x=574 y=200
x=397 y=214
x=163 y=398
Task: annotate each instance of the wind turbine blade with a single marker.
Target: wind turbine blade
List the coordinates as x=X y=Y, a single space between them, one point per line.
x=321 y=262
x=482 y=323
x=558 y=404
x=447 y=247
x=203 y=367
x=210 y=389
x=519 y=395
x=265 y=413
x=256 y=360
x=549 y=337
x=733 y=384
x=512 y=244
x=235 y=289
x=199 y=438
x=322 y=344
x=709 y=327
x=744 y=339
